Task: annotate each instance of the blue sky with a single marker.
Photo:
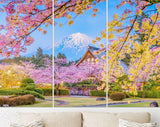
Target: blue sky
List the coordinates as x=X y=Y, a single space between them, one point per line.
x=85 y=24
x=112 y=10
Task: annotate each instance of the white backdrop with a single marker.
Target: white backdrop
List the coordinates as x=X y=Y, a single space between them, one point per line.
x=5 y=113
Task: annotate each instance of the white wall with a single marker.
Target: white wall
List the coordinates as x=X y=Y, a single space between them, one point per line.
x=5 y=113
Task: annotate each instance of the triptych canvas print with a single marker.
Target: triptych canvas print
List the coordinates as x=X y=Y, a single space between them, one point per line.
x=79 y=53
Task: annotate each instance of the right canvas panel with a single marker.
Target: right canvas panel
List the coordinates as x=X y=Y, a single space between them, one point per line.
x=133 y=53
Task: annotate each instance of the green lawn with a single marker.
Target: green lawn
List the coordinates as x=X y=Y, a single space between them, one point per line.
x=133 y=99
x=78 y=101
x=145 y=104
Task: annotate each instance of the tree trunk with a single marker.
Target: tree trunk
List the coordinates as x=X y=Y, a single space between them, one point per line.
x=143 y=96
x=57 y=89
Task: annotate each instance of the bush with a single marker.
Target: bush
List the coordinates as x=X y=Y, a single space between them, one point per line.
x=11 y=92
x=100 y=93
x=109 y=93
x=40 y=91
x=20 y=92
x=47 y=91
x=27 y=81
x=6 y=100
x=33 y=93
x=62 y=92
x=117 y=96
x=29 y=99
x=140 y=94
x=14 y=101
x=149 y=94
x=152 y=94
x=128 y=94
x=1 y=101
x=30 y=86
x=23 y=100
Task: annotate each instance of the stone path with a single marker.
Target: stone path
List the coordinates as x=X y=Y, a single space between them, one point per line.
x=101 y=105
x=61 y=103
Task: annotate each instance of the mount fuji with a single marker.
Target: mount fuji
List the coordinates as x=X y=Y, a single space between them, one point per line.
x=74 y=46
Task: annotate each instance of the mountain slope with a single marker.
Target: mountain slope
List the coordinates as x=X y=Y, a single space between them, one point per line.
x=74 y=46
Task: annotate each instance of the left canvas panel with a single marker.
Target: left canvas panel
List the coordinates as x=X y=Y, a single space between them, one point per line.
x=26 y=53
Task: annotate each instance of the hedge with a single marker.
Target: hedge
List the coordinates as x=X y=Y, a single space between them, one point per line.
x=20 y=92
x=21 y=100
x=47 y=91
x=140 y=94
x=117 y=96
x=149 y=94
x=62 y=92
x=100 y=93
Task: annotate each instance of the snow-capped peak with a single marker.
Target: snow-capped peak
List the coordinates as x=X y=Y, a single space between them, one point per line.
x=76 y=40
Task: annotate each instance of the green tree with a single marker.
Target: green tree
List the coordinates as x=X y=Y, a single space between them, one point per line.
x=61 y=56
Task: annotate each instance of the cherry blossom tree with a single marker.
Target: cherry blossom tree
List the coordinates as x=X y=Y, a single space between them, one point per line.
x=41 y=74
x=23 y=17
x=76 y=74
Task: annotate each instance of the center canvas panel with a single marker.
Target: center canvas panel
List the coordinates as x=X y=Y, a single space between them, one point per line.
x=80 y=54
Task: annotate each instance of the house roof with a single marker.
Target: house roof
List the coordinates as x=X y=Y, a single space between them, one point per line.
x=101 y=53
x=125 y=67
x=92 y=49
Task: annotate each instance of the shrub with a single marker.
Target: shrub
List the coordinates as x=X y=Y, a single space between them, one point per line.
x=30 y=86
x=40 y=91
x=109 y=93
x=1 y=101
x=33 y=93
x=23 y=100
x=128 y=94
x=149 y=94
x=152 y=94
x=47 y=91
x=24 y=85
x=140 y=94
x=6 y=100
x=117 y=96
x=62 y=92
x=100 y=93
x=27 y=81
x=20 y=100
x=11 y=92
x=20 y=92
x=28 y=99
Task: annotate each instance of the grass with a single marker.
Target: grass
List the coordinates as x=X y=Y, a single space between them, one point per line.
x=133 y=100
x=78 y=101
x=145 y=104
x=39 y=104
